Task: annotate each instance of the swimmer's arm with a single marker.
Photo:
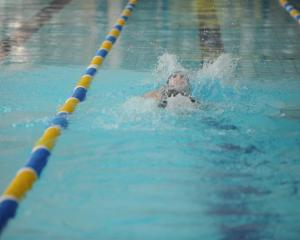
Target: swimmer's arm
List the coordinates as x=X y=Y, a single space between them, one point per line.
x=153 y=94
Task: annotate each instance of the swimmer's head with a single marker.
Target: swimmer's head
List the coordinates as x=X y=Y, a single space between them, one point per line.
x=180 y=81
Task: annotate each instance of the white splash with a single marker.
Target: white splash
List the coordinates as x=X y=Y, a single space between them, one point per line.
x=140 y=113
x=222 y=69
x=181 y=104
x=166 y=65
x=139 y=105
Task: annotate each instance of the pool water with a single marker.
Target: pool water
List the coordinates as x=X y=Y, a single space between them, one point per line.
x=126 y=169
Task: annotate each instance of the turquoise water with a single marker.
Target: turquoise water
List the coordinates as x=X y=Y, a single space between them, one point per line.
x=125 y=169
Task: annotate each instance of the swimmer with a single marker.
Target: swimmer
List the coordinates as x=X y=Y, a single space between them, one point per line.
x=177 y=83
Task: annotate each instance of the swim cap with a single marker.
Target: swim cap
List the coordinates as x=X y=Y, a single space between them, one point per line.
x=186 y=88
x=183 y=74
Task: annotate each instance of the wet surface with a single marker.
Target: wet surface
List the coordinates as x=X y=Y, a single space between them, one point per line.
x=27 y=28
x=126 y=170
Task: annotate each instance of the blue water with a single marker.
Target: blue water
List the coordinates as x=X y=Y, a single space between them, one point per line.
x=126 y=169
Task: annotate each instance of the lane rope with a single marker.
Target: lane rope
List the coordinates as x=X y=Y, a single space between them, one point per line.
x=31 y=171
x=290 y=9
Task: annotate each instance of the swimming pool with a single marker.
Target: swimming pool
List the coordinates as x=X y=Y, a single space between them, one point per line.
x=125 y=169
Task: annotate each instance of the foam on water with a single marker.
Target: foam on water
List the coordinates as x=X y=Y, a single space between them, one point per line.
x=210 y=85
x=228 y=170
x=127 y=108
x=223 y=69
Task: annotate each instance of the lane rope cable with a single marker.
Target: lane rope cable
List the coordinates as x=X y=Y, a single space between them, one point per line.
x=31 y=171
x=290 y=9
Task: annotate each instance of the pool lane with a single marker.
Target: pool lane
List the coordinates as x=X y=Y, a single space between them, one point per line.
x=25 y=31
x=28 y=174
x=130 y=184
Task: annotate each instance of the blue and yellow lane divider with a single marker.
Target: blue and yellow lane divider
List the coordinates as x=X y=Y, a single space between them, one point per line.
x=28 y=174
x=290 y=9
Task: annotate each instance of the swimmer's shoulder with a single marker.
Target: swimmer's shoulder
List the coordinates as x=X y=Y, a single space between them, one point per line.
x=153 y=94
